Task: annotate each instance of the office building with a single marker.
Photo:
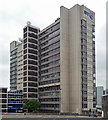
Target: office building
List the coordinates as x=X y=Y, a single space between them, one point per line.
x=30 y=61
x=16 y=66
x=3 y=100
x=99 y=93
x=15 y=101
x=59 y=62
x=67 y=62
x=105 y=105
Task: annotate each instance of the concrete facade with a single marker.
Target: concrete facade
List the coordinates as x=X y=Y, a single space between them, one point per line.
x=16 y=66
x=64 y=78
x=70 y=59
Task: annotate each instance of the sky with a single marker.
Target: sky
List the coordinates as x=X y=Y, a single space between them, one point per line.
x=14 y=15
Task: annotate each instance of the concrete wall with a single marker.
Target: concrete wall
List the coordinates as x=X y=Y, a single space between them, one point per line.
x=70 y=60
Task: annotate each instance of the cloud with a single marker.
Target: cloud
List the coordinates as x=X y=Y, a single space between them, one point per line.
x=15 y=13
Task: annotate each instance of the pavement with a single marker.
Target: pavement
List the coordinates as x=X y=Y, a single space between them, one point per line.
x=47 y=117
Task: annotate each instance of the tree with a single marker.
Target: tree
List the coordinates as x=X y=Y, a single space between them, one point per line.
x=31 y=104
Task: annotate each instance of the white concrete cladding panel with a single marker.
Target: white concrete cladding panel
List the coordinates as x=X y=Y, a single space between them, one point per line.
x=13 y=45
x=64 y=59
x=75 y=60
x=70 y=59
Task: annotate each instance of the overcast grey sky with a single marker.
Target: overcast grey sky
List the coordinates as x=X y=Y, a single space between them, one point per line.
x=14 y=15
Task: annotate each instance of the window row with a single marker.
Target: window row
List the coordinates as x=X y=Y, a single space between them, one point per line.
x=32 y=73
x=31 y=51
x=30 y=46
x=53 y=69
x=31 y=79
x=30 y=84
x=33 y=35
x=49 y=82
x=50 y=64
x=56 y=44
x=31 y=57
x=50 y=52
x=30 y=90
x=50 y=105
x=52 y=93
x=54 y=88
x=30 y=95
x=50 y=76
x=30 y=68
x=31 y=62
x=49 y=99
x=50 y=58
x=50 y=29
x=50 y=41
x=32 y=29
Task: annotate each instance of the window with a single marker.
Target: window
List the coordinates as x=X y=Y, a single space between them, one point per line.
x=25 y=46
x=25 y=35
x=84 y=105
x=32 y=85
x=33 y=29
x=84 y=35
x=25 y=51
x=32 y=90
x=32 y=73
x=25 y=56
x=32 y=46
x=24 y=84
x=83 y=28
x=4 y=90
x=32 y=35
x=83 y=22
x=25 y=40
x=4 y=100
x=32 y=68
x=25 y=62
x=32 y=95
x=3 y=106
x=93 y=28
x=32 y=57
x=32 y=79
x=33 y=41
x=25 y=73
x=4 y=95
x=25 y=78
x=32 y=51
x=25 y=89
x=24 y=95
x=32 y=62
x=25 y=29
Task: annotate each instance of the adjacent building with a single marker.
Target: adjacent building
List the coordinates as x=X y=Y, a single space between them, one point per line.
x=106 y=47
x=105 y=105
x=57 y=64
x=16 y=66
x=3 y=100
x=15 y=101
x=99 y=93
x=30 y=61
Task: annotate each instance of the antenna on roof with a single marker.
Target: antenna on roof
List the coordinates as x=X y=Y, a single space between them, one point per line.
x=20 y=40
x=28 y=23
